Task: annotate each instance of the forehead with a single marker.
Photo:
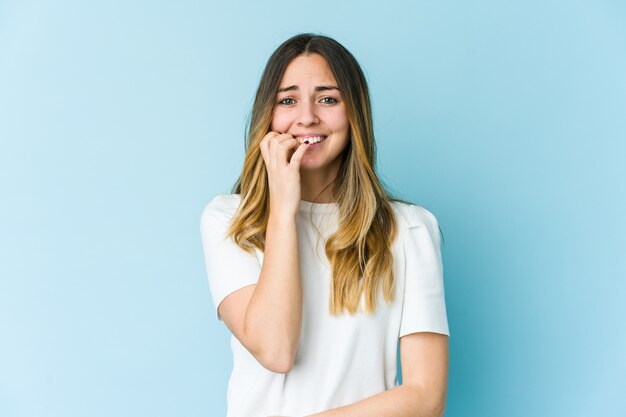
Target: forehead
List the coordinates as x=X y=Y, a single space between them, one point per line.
x=312 y=68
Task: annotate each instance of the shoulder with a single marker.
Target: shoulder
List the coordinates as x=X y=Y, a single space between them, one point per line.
x=411 y=215
x=221 y=207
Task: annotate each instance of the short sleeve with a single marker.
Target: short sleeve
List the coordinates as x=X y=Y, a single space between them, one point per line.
x=228 y=266
x=424 y=307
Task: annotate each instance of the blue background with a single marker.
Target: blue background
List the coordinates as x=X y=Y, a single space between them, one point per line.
x=120 y=120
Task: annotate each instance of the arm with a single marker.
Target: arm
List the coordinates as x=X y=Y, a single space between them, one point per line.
x=424 y=359
x=234 y=276
x=274 y=314
x=267 y=317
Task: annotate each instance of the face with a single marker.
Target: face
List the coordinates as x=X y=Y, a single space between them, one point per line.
x=309 y=105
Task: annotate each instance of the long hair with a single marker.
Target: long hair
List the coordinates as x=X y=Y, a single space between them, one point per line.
x=359 y=251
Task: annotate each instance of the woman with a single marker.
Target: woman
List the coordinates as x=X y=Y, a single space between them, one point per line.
x=314 y=269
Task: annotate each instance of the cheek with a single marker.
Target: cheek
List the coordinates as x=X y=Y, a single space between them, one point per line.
x=338 y=121
x=280 y=122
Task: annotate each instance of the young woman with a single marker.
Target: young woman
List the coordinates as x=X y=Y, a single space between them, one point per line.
x=317 y=272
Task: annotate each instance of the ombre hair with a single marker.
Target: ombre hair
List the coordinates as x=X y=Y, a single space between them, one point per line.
x=359 y=251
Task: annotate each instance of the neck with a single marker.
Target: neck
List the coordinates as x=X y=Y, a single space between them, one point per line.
x=312 y=183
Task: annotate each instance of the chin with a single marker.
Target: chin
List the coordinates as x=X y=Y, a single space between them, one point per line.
x=311 y=166
x=308 y=167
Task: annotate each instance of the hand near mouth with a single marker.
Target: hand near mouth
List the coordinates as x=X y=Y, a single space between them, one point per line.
x=282 y=154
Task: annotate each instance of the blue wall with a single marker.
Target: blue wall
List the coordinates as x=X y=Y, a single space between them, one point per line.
x=120 y=120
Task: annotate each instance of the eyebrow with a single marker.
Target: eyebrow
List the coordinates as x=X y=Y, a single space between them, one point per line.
x=318 y=88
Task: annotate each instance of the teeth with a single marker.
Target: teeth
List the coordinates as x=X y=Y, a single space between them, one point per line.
x=312 y=139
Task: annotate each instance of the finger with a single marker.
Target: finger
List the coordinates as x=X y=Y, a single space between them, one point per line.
x=265 y=151
x=279 y=147
x=269 y=136
x=296 y=158
x=288 y=149
x=284 y=137
x=289 y=144
x=264 y=145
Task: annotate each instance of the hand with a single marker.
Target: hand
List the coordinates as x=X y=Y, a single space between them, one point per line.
x=283 y=171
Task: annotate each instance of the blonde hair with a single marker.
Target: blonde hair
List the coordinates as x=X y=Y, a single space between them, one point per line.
x=359 y=251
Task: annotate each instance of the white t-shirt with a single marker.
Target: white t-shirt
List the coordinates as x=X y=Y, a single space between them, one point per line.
x=340 y=359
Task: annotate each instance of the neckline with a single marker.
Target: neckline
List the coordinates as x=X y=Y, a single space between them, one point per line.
x=309 y=206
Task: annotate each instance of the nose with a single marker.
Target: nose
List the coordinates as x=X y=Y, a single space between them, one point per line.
x=308 y=114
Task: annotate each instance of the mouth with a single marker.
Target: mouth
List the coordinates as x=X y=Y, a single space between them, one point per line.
x=312 y=140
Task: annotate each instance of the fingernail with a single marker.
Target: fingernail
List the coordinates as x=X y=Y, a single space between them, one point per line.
x=306 y=141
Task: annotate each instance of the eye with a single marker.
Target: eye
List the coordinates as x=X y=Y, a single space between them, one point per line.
x=285 y=101
x=329 y=100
